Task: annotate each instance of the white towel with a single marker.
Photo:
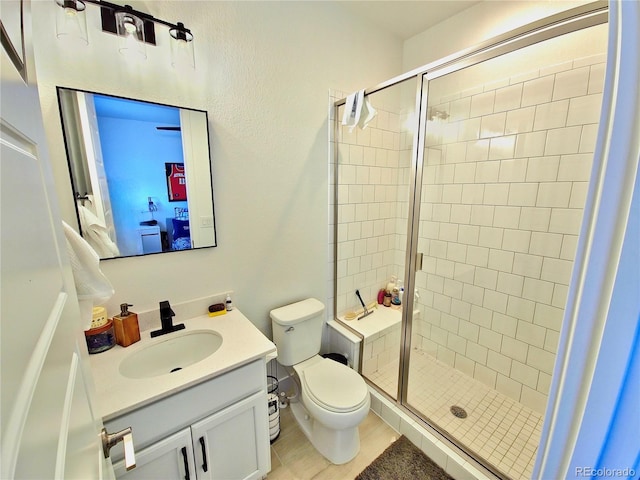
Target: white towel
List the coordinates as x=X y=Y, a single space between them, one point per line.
x=96 y=233
x=358 y=111
x=92 y=287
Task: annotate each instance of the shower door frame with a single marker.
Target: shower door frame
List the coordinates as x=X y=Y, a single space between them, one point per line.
x=569 y=21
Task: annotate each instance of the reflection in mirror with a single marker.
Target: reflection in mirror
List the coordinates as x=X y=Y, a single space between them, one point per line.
x=140 y=172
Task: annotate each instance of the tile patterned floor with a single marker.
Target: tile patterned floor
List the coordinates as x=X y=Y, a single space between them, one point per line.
x=497 y=428
x=294 y=458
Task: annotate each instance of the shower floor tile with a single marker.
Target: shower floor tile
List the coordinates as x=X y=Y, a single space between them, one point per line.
x=497 y=428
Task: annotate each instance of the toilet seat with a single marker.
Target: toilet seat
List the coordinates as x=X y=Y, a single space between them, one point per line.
x=334 y=386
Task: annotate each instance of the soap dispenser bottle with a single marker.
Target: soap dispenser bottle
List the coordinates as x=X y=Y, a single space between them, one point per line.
x=126 y=326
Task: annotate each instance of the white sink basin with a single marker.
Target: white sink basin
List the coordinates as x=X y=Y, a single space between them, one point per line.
x=172 y=353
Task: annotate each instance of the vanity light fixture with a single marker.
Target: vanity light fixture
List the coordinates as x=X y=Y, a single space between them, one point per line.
x=135 y=29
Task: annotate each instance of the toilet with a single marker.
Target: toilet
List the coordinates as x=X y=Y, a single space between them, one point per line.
x=332 y=398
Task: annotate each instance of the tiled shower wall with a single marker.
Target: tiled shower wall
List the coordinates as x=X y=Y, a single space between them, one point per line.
x=504 y=187
x=374 y=169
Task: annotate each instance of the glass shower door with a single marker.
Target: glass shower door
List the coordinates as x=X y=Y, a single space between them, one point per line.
x=373 y=175
x=505 y=155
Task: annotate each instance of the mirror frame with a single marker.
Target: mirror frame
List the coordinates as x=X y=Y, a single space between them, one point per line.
x=74 y=181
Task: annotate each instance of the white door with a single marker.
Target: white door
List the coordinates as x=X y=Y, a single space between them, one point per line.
x=49 y=429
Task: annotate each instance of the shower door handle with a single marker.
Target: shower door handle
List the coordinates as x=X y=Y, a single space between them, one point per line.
x=418 y=261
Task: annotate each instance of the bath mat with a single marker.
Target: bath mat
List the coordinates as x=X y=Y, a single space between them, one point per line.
x=402 y=460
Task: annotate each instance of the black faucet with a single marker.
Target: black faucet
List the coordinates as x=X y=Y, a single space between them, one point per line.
x=166 y=318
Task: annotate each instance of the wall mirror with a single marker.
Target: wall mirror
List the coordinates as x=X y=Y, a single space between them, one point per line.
x=140 y=173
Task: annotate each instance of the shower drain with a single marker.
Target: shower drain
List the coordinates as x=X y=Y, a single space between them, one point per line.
x=458 y=411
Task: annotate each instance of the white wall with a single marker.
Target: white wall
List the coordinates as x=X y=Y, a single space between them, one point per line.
x=263 y=72
x=476 y=25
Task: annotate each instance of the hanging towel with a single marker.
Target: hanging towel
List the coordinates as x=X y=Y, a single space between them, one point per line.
x=96 y=233
x=92 y=287
x=353 y=109
x=367 y=114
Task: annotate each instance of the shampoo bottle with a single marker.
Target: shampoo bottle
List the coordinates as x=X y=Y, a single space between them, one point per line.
x=126 y=326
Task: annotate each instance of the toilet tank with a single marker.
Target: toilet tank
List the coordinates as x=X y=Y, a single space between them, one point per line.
x=297 y=330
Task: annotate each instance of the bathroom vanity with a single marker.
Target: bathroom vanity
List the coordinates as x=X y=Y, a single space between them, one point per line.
x=208 y=419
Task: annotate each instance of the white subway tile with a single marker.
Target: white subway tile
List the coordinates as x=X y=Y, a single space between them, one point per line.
x=446 y=356
x=477 y=352
x=486 y=278
x=490 y=339
x=510 y=284
x=459 y=109
x=588 y=138
x=452 y=194
x=572 y=83
x=520 y=121
x=556 y=270
x=575 y=168
x=369 y=156
x=544 y=383
x=537 y=91
x=441 y=212
x=524 y=76
x=485 y=375
x=447 y=232
x=463 y=364
x=496 y=84
x=515 y=349
x=527 y=265
x=562 y=141
x=498 y=362
x=461 y=213
x=490 y=237
x=596 y=78
x=533 y=399
x=482 y=214
x=543 y=169
x=482 y=104
x=487 y=172
x=551 y=115
x=469 y=129
x=551 y=341
x=465 y=173
x=554 y=194
x=556 y=68
x=468 y=234
x=502 y=147
x=584 y=110
x=506 y=217
x=496 y=194
x=455 y=152
x=531 y=334
x=521 y=308
x=453 y=289
x=524 y=374
x=515 y=240
x=545 y=244
x=508 y=386
x=433 y=156
x=508 y=98
x=472 y=294
x=530 y=144
x=541 y=359
x=493 y=125
x=535 y=218
x=481 y=316
x=523 y=194
x=565 y=220
x=469 y=331
x=495 y=301
x=477 y=256
x=500 y=260
x=569 y=245
x=457 y=252
x=538 y=290
x=478 y=150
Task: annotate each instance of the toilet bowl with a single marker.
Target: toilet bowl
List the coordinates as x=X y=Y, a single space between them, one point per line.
x=333 y=401
x=332 y=398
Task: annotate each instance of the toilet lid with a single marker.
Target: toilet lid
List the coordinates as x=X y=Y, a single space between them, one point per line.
x=335 y=386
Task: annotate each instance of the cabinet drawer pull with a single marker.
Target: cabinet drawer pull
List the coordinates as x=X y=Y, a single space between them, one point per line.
x=204 y=455
x=186 y=463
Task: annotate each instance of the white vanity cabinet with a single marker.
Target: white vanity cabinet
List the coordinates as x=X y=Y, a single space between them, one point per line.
x=215 y=430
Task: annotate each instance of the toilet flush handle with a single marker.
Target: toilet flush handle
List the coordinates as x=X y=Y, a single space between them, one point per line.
x=290 y=329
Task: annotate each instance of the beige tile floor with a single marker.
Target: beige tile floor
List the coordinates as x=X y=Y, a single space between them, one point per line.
x=498 y=429
x=294 y=458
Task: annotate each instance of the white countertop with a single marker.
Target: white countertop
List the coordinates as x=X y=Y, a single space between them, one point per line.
x=116 y=395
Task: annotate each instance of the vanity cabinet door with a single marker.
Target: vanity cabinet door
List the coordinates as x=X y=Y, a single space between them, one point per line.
x=170 y=458
x=234 y=442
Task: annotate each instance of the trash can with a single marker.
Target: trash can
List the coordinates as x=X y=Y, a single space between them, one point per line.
x=274 y=411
